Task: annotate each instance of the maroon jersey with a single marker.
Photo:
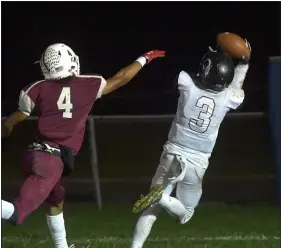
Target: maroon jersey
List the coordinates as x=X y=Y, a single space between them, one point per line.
x=62 y=108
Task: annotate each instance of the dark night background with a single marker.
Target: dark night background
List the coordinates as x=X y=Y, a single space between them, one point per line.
x=241 y=179
x=109 y=35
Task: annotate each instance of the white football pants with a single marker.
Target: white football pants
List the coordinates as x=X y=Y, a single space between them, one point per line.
x=188 y=194
x=188 y=190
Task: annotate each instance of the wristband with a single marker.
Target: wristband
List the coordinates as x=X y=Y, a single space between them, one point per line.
x=142 y=60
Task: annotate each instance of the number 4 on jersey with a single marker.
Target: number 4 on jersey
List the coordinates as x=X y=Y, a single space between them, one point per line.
x=64 y=102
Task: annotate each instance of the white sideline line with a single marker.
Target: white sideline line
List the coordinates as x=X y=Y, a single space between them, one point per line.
x=112 y=239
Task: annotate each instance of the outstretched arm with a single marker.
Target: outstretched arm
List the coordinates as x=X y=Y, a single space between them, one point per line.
x=241 y=70
x=129 y=72
x=239 y=76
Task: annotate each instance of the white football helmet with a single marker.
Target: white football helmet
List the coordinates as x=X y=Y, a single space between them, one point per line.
x=59 y=61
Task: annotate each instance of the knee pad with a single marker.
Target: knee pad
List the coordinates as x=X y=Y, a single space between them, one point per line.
x=152 y=211
x=188 y=216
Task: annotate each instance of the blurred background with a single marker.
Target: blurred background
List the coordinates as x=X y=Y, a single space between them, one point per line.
x=108 y=36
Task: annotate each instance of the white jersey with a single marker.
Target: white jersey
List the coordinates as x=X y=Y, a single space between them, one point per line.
x=200 y=113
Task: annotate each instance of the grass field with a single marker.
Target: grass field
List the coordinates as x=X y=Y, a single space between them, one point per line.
x=213 y=225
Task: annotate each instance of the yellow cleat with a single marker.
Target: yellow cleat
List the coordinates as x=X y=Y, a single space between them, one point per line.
x=152 y=197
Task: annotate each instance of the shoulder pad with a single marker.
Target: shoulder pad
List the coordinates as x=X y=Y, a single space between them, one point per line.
x=184 y=80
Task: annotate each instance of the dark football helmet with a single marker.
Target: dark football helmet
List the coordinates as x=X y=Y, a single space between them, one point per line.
x=216 y=70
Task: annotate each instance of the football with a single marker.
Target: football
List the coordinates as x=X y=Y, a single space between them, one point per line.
x=233 y=44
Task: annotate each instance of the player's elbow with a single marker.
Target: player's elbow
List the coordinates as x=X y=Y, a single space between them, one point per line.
x=122 y=77
x=6 y=129
x=14 y=119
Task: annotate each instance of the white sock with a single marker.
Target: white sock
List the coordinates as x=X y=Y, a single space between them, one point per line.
x=142 y=230
x=57 y=230
x=7 y=210
x=173 y=206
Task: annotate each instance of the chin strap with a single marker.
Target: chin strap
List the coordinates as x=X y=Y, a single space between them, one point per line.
x=211 y=49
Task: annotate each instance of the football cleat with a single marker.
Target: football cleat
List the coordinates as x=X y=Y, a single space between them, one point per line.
x=151 y=198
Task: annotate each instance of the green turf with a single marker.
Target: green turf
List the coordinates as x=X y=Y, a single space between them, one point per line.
x=213 y=225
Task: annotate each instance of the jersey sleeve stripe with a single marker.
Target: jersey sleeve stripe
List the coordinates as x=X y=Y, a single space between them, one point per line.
x=26 y=105
x=31 y=86
x=102 y=85
x=89 y=76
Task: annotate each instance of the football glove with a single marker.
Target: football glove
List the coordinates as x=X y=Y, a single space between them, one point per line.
x=153 y=55
x=246 y=60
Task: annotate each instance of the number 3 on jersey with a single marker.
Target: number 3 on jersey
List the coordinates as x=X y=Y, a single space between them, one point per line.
x=206 y=106
x=64 y=102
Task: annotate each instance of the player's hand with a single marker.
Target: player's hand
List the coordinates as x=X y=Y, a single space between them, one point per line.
x=154 y=54
x=248 y=45
x=244 y=59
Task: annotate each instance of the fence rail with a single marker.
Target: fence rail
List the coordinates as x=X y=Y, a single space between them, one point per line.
x=122 y=118
x=153 y=117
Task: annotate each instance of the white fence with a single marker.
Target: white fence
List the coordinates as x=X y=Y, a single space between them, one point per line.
x=138 y=118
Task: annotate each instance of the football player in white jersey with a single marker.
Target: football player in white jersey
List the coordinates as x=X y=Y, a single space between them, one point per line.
x=203 y=103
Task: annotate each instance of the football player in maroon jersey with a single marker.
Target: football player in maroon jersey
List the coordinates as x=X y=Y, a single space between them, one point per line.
x=62 y=102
